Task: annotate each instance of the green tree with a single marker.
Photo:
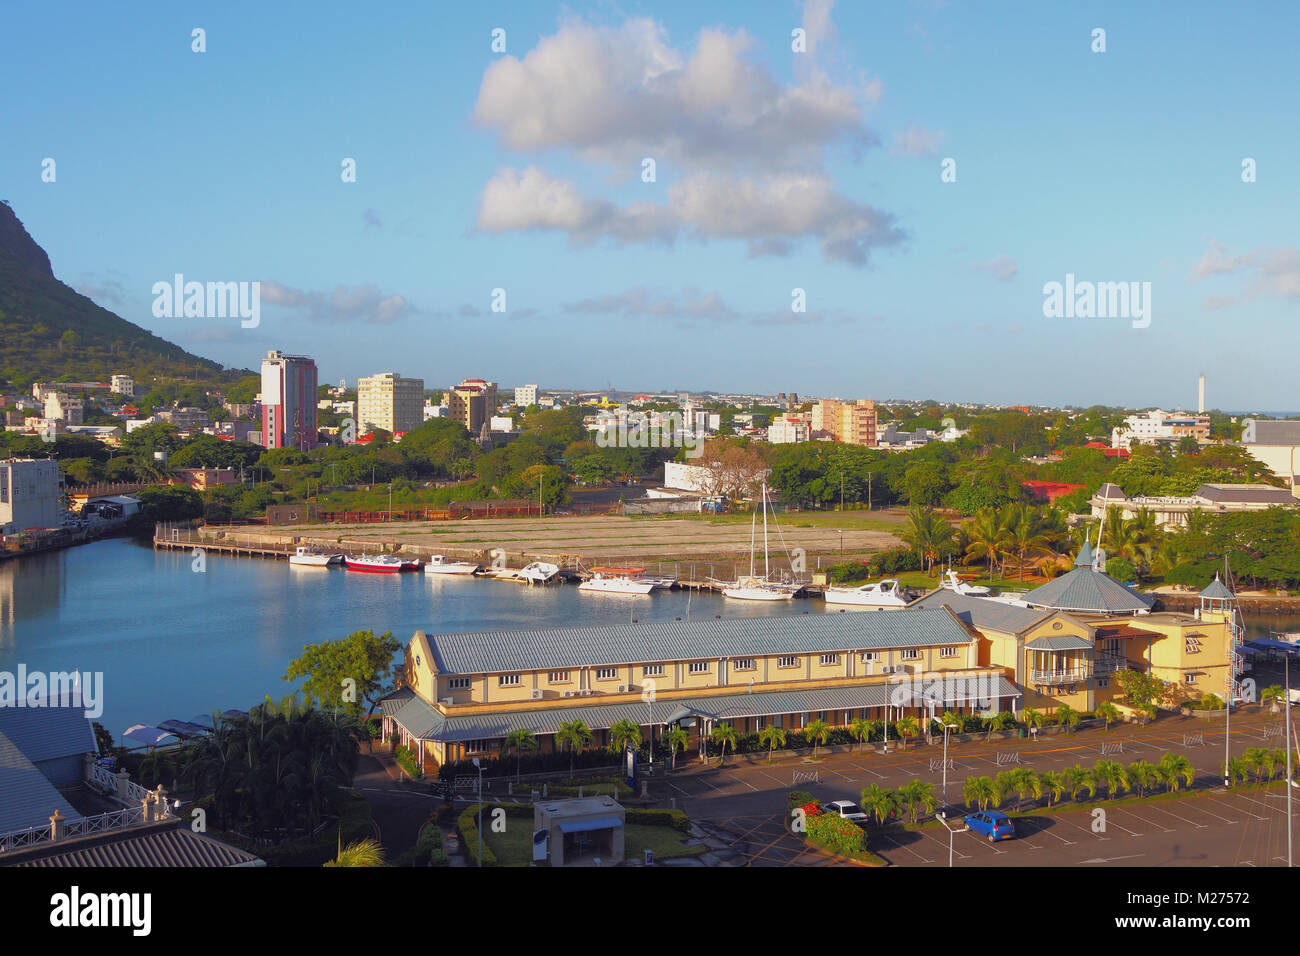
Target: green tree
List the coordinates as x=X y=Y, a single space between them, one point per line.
x=624 y=735
x=520 y=740
x=1175 y=769
x=861 y=730
x=980 y=792
x=1113 y=775
x=676 y=739
x=771 y=737
x=1107 y=712
x=342 y=674
x=367 y=852
x=818 y=732
x=917 y=797
x=573 y=736
x=724 y=734
x=906 y=727
x=1143 y=775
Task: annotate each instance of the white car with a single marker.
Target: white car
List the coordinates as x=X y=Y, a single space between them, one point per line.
x=847 y=810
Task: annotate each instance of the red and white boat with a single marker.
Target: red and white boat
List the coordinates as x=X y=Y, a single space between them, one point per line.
x=377 y=563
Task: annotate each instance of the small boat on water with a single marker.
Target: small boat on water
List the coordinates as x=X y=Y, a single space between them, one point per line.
x=618 y=581
x=438 y=564
x=539 y=572
x=304 y=556
x=377 y=563
x=882 y=594
x=757 y=589
x=951 y=582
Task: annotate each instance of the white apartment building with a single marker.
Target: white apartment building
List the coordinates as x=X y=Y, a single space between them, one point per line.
x=62 y=407
x=788 y=429
x=1157 y=425
x=389 y=402
x=1277 y=445
x=436 y=411
x=31 y=495
x=526 y=395
x=123 y=385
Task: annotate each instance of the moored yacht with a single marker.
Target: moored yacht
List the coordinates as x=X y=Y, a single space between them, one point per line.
x=376 y=563
x=618 y=581
x=882 y=594
x=438 y=564
x=304 y=556
x=952 y=582
x=539 y=572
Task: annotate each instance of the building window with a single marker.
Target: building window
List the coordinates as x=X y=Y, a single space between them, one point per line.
x=698 y=667
x=868 y=656
x=947 y=652
x=787 y=662
x=606 y=673
x=476 y=746
x=828 y=660
x=1189 y=678
x=458 y=683
x=760 y=723
x=1193 y=644
x=743 y=664
x=652 y=670
x=1103 y=682
x=910 y=654
x=558 y=677
x=508 y=680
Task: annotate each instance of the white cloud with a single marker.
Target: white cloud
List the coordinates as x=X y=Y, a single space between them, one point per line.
x=363 y=303
x=1002 y=268
x=1273 y=272
x=917 y=141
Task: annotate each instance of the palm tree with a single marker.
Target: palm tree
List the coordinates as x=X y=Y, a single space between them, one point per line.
x=1113 y=775
x=724 y=734
x=1078 y=778
x=772 y=737
x=980 y=792
x=879 y=802
x=861 y=730
x=1025 y=533
x=573 y=736
x=1143 y=775
x=1025 y=783
x=928 y=535
x=676 y=739
x=519 y=741
x=1054 y=784
x=1253 y=759
x=624 y=735
x=1107 y=712
x=906 y=727
x=984 y=537
x=1175 y=769
x=1237 y=771
x=917 y=797
x=1033 y=718
x=1067 y=717
x=818 y=732
x=366 y=852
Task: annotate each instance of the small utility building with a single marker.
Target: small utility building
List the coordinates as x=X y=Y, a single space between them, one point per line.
x=580 y=830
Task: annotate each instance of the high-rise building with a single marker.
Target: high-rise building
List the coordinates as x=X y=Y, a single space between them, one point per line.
x=389 y=402
x=526 y=395
x=123 y=385
x=853 y=423
x=288 y=401
x=472 y=403
x=62 y=407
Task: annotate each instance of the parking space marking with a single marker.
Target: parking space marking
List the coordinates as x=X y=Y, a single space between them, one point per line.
x=1243 y=810
x=903 y=846
x=1213 y=814
x=1150 y=823
x=1152 y=806
x=943 y=845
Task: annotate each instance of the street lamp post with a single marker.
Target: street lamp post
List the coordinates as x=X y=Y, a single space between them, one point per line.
x=841 y=534
x=946 y=728
x=943 y=818
x=479 y=767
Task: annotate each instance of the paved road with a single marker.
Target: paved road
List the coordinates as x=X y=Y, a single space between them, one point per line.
x=746 y=802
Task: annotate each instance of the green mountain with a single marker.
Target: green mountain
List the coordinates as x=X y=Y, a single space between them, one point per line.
x=49 y=331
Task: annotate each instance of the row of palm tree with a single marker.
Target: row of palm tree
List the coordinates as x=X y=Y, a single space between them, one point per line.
x=1172 y=772
x=910 y=801
x=1263 y=763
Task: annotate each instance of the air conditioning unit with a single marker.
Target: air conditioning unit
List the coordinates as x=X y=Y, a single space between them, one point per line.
x=447 y=701
x=537 y=695
x=622 y=688
x=586 y=693
x=568 y=693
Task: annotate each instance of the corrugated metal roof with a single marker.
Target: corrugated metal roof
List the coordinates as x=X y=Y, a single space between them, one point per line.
x=1216 y=590
x=47 y=733
x=172 y=846
x=27 y=798
x=486 y=652
x=717 y=707
x=1084 y=589
x=983 y=612
x=395 y=701
x=1060 y=642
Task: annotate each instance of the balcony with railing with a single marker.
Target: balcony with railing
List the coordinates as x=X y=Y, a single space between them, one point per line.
x=1062 y=675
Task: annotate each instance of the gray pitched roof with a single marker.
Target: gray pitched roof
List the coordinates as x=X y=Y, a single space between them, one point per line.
x=1110 y=490
x=1246 y=494
x=486 y=652
x=1060 y=642
x=27 y=798
x=173 y=845
x=1084 y=589
x=982 y=613
x=1216 y=590
x=1266 y=432
x=428 y=723
x=47 y=733
x=1085 y=558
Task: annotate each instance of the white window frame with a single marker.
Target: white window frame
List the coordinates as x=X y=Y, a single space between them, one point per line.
x=698 y=667
x=459 y=683
x=606 y=673
x=558 y=677
x=787 y=662
x=652 y=670
x=510 y=680
x=828 y=660
x=948 y=651
x=744 y=664
x=909 y=654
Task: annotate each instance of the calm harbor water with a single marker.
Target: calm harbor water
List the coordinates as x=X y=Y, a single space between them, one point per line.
x=173 y=643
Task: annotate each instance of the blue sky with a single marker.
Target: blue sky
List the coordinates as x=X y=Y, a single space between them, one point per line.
x=775 y=170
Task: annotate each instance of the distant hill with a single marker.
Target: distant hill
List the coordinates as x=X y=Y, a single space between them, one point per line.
x=37 y=312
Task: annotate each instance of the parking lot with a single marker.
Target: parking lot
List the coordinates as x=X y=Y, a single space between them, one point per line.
x=1207 y=827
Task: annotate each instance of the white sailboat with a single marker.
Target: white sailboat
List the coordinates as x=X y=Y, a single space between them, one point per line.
x=752 y=588
x=618 y=581
x=304 y=556
x=438 y=564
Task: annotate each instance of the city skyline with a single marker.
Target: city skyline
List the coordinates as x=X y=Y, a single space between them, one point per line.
x=775 y=170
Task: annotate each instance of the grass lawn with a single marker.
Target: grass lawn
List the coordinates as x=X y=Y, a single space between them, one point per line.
x=516 y=844
x=848 y=520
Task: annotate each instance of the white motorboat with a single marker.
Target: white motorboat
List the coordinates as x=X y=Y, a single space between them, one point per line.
x=882 y=594
x=376 y=563
x=539 y=572
x=952 y=582
x=752 y=587
x=304 y=556
x=438 y=564
x=617 y=581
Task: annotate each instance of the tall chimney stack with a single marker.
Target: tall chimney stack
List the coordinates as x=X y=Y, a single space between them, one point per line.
x=1200 y=398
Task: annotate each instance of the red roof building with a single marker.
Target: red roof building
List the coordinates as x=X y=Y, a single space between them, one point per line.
x=1048 y=491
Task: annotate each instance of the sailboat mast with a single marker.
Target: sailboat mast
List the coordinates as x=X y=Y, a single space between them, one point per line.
x=767 y=574
x=753 y=527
